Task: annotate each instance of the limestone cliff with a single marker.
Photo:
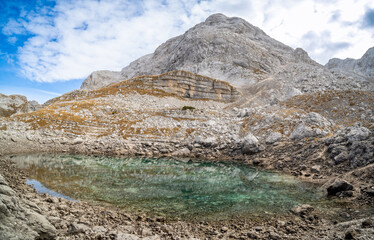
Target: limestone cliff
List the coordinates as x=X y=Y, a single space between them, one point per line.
x=189 y=85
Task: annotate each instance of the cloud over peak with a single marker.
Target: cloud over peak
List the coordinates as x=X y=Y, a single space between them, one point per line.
x=66 y=39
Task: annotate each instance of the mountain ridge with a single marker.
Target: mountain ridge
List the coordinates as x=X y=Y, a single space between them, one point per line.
x=220 y=37
x=265 y=70
x=363 y=67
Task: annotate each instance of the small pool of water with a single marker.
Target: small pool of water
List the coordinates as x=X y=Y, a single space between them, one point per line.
x=169 y=188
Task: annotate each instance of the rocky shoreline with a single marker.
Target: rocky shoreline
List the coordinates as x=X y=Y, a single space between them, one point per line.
x=86 y=221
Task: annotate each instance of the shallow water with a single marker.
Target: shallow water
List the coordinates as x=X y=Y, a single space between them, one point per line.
x=170 y=188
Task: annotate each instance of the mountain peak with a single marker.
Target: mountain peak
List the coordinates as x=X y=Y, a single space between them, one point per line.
x=232 y=50
x=216 y=17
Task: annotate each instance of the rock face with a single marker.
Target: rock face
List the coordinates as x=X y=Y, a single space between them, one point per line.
x=229 y=49
x=189 y=85
x=363 y=66
x=18 y=220
x=13 y=104
x=100 y=79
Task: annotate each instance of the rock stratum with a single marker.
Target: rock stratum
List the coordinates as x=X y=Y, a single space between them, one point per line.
x=189 y=85
x=223 y=90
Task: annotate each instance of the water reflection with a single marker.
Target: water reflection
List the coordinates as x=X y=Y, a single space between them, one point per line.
x=169 y=187
x=39 y=187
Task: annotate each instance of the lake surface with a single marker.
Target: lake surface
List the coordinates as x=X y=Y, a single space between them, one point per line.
x=169 y=188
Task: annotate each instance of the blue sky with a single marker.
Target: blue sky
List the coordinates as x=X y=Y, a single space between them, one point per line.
x=48 y=47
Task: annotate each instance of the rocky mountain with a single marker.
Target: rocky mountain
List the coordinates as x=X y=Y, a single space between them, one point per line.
x=363 y=67
x=255 y=101
x=13 y=104
x=233 y=50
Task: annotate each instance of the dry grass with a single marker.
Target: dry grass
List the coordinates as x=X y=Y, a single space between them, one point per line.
x=343 y=107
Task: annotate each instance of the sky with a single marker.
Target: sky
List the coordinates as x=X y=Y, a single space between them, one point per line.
x=48 y=47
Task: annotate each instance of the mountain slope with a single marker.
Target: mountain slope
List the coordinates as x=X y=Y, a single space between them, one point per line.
x=363 y=66
x=232 y=50
x=229 y=49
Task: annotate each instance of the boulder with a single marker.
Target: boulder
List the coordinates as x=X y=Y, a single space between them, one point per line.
x=315 y=119
x=315 y=169
x=184 y=152
x=251 y=144
x=18 y=220
x=273 y=137
x=338 y=186
x=302 y=210
x=358 y=134
x=206 y=141
x=77 y=141
x=302 y=131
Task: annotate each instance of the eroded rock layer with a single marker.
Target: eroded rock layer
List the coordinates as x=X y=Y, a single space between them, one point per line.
x=189 y=85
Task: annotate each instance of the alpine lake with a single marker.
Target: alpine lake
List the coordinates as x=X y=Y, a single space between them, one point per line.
x=174 y=189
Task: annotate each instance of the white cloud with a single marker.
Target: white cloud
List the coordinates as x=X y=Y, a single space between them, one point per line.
x=77 y=37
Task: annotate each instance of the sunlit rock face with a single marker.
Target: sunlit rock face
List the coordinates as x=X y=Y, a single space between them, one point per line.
x=189 y=85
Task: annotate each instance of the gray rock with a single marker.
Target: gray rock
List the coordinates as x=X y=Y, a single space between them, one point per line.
x=363 y=66
x=12 y=104
x=77 y=141
x=184 y=152
x=233 y=50
x=126 y=236
x=315 y=119
x=33 y=106
x=302 y=131
x=338 y=186
x=315 y=169
x=358 y=133
x=302 y=210
x=273 y=137
x=189 y=85
x=18 y=220
x=250 y=144
x=341 y=157
x=206 y=141
x=76 y=228
x=100 y=79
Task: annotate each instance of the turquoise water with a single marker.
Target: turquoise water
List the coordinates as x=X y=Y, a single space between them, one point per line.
x=170 y=188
